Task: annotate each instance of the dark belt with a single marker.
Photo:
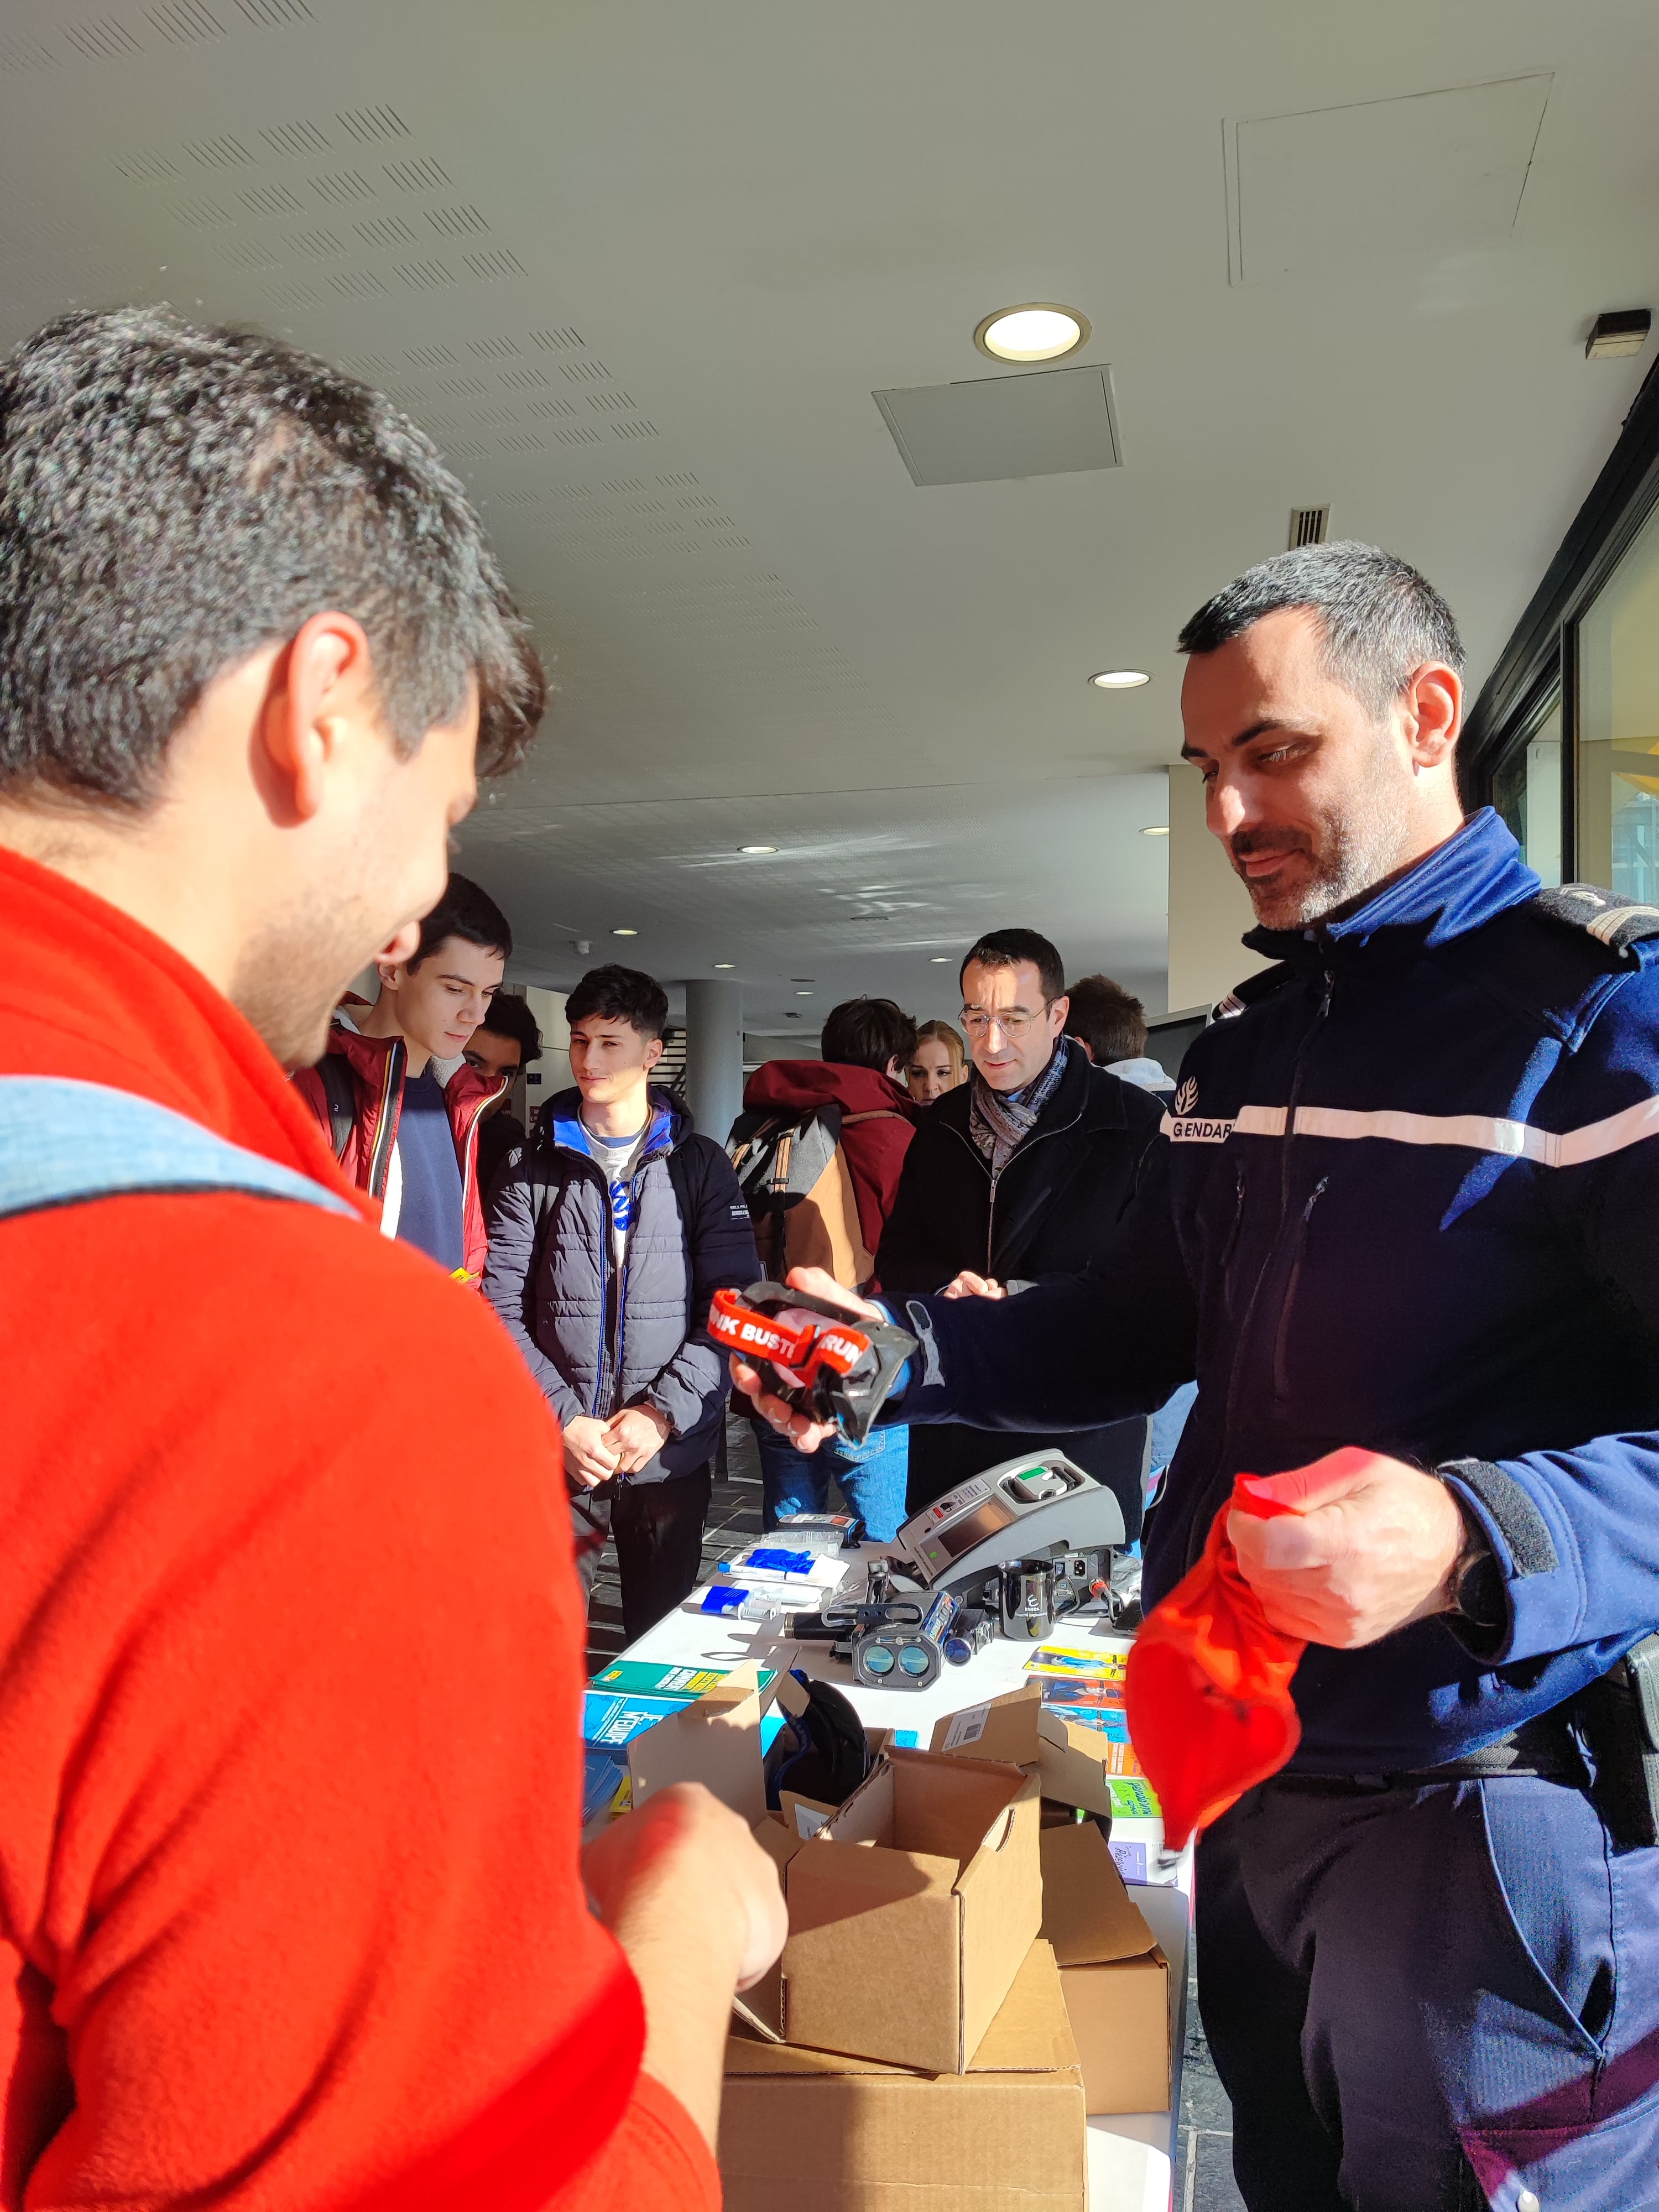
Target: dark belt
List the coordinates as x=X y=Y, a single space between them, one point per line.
x=1544 y=1749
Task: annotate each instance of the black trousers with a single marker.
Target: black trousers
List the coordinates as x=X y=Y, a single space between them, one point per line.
x=1432 y=1998
x=658 y=1529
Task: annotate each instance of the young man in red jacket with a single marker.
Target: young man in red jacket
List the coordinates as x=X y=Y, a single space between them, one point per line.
x=402 y=1133
x=292 y=1913
x=866 y=1046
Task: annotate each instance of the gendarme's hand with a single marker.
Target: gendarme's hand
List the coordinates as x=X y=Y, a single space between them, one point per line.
x=805 y=1436
x=1370 y=1547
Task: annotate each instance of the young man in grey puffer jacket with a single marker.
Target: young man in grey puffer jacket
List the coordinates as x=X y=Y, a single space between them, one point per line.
x=610 y=1231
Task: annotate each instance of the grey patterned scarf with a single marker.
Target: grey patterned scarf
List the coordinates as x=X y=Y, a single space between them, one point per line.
x=998 y=1121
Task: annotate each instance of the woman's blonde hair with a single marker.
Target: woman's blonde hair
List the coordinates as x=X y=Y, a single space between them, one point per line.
x=952 y=1040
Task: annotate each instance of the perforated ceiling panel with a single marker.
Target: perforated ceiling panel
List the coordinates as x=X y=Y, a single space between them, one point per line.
x=639 y=268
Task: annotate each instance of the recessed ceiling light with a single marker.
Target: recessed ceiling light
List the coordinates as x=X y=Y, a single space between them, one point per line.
x=1041 y=330
x=726 y=963
x=1156 y=829
x=1120 y=679
x=757 y=848
x=803 y=994
x=625 y=932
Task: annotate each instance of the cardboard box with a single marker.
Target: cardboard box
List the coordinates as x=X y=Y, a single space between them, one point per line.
x=716 y=1741
x=1114 y=1977
x=820 y=2133
x=911 y=1911
x=1003 y=1728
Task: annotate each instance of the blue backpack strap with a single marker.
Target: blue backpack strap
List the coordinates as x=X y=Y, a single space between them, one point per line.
x=62 y=1142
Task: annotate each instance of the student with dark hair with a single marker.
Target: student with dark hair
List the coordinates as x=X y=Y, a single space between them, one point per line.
x=294 y=1909
x=1110 y=1025
x=402 y=1134
x=506 y=1042
x=1019 y=1174
x=853 y=1099
x=610 y=1231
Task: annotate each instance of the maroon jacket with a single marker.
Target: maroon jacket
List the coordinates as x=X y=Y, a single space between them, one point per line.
x=877 y=1120
x=377 y=1065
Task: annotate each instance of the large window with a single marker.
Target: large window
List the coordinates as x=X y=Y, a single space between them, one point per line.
x=1527 y=792
x=1618 y=666
x=1563 y=741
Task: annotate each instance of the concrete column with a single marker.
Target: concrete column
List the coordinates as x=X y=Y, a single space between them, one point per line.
x=1209 y=909
x=713 y=1055
x=554 y=1073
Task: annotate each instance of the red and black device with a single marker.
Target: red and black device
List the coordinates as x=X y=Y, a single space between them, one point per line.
x=821 y=1361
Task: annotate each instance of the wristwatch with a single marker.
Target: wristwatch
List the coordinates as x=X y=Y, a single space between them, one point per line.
x=1474 y=1586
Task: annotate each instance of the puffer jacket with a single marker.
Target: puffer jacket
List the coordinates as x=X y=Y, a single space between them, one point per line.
x=596 y=1343
x=378 y=1065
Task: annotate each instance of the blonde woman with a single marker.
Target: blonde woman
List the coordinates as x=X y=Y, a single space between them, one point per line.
x=939 y=1063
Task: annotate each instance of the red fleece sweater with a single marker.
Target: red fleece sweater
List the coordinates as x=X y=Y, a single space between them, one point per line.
x=290 y=1908
x=875 y=1148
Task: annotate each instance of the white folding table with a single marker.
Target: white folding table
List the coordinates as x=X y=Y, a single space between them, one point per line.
x=1130 y=2154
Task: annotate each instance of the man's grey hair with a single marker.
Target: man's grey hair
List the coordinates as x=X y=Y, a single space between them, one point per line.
x=1382 y=621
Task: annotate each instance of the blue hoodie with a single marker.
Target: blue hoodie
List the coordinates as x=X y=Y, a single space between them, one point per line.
x=1408 y=1199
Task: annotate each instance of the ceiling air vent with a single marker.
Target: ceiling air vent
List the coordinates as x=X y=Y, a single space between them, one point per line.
x=1309 y=526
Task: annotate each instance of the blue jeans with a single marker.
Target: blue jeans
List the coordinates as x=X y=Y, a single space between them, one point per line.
x=871 y=1477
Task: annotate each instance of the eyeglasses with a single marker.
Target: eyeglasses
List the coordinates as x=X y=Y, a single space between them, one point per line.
x=1013 y=1023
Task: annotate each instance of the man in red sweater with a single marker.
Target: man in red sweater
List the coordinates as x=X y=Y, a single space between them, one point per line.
x=292 y=1913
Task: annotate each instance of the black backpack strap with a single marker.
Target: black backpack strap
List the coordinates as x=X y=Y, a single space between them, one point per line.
x=340 y=1090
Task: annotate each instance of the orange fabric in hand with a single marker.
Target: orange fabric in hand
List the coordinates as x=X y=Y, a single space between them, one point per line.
x=1208 y=1687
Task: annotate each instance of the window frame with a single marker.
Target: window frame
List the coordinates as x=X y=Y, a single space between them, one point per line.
x=1542 y=652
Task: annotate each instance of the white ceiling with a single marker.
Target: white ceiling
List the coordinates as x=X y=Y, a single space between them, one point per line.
x=640 y=265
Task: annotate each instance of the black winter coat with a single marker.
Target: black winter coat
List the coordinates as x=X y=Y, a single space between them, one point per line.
x=1058 y=1201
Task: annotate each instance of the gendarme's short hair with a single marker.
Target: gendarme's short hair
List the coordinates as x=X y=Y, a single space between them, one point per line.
x=1382 y=621
x=172 y=499
x=1007 y=948
x=617 y=994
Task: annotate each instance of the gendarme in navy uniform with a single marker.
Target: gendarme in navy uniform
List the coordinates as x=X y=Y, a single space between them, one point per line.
x=1409 y=1200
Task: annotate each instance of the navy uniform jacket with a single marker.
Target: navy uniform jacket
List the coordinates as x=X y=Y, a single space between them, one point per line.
x=1409 y=1199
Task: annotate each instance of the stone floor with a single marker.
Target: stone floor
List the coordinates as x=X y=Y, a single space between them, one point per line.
x=1203 y=2167
x=1204 y=2143
x=734 y=1514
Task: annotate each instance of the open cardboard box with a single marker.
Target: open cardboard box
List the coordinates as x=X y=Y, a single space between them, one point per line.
x=910 y=1912
x=822 y=2133
x=716 y=1740
x=1075 y=1764
x=1114 y=1977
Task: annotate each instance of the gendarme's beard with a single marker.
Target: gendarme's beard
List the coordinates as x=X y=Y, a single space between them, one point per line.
x=1347 y=853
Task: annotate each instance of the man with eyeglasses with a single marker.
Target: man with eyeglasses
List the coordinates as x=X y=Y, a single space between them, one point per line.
x=1019 y=1173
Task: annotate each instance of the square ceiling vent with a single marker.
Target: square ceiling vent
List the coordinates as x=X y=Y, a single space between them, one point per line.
x=1051 y=423
x=1335 y=189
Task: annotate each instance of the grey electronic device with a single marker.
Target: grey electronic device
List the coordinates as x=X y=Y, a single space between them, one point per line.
x=1028 y=1508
